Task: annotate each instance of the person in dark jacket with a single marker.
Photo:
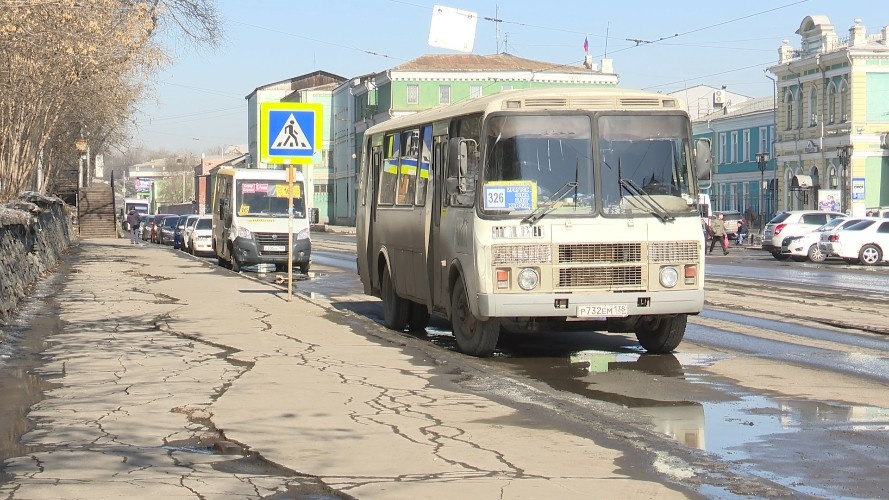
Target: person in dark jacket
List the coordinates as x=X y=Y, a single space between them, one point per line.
x=133 y=220
x=718 y=227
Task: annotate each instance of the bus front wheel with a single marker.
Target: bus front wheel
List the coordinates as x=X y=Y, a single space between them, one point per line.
x=474 y=337
x=661 y=334
x=395 y=308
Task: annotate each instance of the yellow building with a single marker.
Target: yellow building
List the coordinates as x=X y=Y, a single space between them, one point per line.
x=832 y=130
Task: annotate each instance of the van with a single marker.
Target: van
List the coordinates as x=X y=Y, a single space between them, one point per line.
x=251 y=222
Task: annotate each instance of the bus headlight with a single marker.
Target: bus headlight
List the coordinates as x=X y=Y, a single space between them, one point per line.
x=302 y=235
x=669 y=276
x=243 y=232
x=528 y=278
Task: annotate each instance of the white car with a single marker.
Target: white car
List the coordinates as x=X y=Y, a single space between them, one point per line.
x=186 y=231
x=806 y=246
x=793 y=223
x=866 y=242
x=200 y=241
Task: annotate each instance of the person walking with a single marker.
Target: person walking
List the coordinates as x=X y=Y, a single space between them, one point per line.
x=718 y=227
x=133 y=220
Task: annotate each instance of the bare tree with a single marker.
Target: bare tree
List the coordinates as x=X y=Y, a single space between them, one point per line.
x=72 y=69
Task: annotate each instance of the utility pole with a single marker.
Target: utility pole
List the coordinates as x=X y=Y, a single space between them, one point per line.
x=762 y=160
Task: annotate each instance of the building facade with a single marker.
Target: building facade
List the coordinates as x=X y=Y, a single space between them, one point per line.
x=427 y=82
x=743 y=177
x=833 y=118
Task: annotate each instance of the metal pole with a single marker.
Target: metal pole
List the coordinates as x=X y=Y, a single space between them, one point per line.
x=290 y=175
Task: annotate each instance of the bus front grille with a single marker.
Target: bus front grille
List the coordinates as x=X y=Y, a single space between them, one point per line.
x=673 y=251
x=593 y=253
x=600 y=277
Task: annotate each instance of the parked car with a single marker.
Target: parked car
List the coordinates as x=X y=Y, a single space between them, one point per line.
x=731 y=219
x=866 y=242
x=154 y=223
x=166 y=228
x=144 y=229
x=178 y=230
x=793 y=223
x=200 y=242
x=186 y=231
x=807 y=246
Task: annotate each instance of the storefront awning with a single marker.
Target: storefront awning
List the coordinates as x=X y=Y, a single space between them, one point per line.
x=801 y=182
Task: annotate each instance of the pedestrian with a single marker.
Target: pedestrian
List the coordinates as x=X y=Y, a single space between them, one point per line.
x=742 y=231
x=133 y=220
x=718 y=227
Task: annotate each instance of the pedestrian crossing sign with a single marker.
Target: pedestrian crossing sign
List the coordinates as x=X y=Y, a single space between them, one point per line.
x=289 y=132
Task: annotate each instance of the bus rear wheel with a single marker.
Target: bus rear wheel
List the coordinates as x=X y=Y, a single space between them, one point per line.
x=395 y=308
x=661 y=334
x=474 y=337
x=418 y=319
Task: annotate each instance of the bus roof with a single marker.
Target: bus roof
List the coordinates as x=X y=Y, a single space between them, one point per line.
x=256 y=173
x=544 y=99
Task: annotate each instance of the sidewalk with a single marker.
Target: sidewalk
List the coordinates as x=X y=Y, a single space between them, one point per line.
x=176 y=378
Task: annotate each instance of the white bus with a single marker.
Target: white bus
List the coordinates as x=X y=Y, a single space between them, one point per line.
x=251 y=221
x=533 y=211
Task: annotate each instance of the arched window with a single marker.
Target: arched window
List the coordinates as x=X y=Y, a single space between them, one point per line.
x=831 y=102
x=844 y=91
x=833 y=181
x=788 y=109
x=799 y=108
x=813 y=106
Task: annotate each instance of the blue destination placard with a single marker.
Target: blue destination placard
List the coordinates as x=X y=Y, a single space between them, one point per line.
x=516 y=196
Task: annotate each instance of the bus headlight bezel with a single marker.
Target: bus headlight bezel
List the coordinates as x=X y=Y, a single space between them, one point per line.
x=528 y=278
x=668 y=276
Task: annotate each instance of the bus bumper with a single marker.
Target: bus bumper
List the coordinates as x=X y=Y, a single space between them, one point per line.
x=249 y=252
x=566 y=305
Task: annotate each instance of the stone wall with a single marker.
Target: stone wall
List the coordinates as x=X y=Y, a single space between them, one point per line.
x=34 y=232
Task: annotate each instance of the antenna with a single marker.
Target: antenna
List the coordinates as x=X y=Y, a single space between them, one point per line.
x=497 y=27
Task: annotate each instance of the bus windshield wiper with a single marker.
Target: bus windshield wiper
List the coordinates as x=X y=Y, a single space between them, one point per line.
x=548 y=205
x=646 y=199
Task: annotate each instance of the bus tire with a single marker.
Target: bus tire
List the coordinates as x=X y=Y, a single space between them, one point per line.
x=418 y=318
x=474 y=336
x=304 y=268
x=395 y=308
x=663 y=334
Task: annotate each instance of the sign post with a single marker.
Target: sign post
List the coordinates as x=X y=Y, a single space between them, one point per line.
x=289 y=134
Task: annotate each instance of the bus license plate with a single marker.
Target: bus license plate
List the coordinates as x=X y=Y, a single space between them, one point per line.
x=274 y=248
x=603 y=311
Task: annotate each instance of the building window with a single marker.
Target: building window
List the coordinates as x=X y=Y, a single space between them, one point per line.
x=763 y=140
x=322 y=188
x=831 y=103
x=506 y=86
x=788 y=109
x=799 y=108
x=733 y=149
x=722 y=148
x=413 y=94
x=813 y=107
x=844 y=113
x=475 y=91
x=745 y=153
x=444 y=94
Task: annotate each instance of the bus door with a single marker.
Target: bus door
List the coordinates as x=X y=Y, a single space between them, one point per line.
x=438 y=279
x=370 y=191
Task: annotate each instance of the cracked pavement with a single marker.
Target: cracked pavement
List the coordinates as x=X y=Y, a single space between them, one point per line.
x=175 y=378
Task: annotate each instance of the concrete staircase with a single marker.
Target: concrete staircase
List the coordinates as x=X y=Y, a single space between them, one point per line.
x=95 y=212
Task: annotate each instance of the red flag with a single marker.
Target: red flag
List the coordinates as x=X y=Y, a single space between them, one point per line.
x=586 y=45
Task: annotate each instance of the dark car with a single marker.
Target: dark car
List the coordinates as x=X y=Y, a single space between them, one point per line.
x=166 y=227
x=178 y=231
x=154 y=223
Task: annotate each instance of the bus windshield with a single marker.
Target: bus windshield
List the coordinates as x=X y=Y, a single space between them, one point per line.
x=547 y=160
x=268 y=198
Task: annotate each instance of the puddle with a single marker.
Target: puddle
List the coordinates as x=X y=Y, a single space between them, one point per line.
x=21 y=342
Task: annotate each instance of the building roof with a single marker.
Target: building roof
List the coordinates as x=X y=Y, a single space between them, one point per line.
x=474 y=62
x=747 y=107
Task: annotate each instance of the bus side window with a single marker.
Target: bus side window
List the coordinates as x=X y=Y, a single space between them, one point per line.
x=425 y=166
x=389 y=174
x=407 y=170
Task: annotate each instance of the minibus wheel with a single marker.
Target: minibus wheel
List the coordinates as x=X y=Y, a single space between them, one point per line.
x=395 y=308
x=661 y=334
x=474 y=337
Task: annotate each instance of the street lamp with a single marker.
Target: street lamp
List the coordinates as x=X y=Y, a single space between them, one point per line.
x=844 y=153
x=762 y=160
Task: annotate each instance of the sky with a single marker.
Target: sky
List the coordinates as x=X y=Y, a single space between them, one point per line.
x=198 y=102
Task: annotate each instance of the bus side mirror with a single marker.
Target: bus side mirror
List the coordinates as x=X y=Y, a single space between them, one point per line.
x=314 y=215
x=703 y=159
